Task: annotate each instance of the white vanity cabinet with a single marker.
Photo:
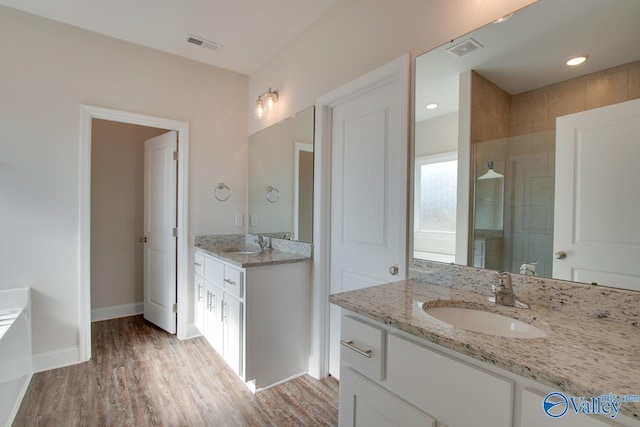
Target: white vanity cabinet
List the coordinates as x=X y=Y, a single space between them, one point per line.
x=430 y=384
x=388 y=377
x=256 y=318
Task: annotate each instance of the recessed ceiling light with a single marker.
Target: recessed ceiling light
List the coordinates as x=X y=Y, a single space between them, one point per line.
x=504 y=18
x=577 y=60
x=432 y=106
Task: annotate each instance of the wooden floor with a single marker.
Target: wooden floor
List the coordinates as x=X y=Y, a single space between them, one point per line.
x=140 y=375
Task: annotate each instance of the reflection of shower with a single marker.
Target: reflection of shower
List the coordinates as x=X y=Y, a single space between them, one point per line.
x=491 y=174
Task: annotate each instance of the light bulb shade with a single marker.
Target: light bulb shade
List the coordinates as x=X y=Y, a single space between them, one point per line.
x=272 y=98
x=259 y=111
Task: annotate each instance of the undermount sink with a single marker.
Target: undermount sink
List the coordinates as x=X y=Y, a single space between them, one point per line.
x=485 y=322
x=242 y=251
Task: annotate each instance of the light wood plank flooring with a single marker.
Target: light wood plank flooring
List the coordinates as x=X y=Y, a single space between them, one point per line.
x=140 y=375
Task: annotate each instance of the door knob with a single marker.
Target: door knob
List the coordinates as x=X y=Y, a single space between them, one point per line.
x=143 y=239
x=560 y=255
x=393 y=270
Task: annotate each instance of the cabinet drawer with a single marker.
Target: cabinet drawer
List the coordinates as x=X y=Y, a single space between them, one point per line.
x=233 y=281
x=199 y=264
x=428 y=379
x=362 y=347
x=213 y=271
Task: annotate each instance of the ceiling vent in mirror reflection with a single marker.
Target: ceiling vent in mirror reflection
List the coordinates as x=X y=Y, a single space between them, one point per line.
x=464 y=47
x=199 y=41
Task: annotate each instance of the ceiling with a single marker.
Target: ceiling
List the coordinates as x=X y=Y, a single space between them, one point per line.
x=529 y=50
x=250 y=31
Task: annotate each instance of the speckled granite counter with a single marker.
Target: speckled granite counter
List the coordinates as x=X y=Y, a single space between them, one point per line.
x=582 y=355
x=282 y=252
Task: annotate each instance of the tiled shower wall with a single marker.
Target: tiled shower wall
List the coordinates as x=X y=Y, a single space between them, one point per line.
x=518 y=133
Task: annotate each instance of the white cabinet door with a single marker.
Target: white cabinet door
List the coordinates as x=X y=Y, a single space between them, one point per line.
x=233 y=339
x=199 y=302
x=216 y=335
x=533 y=415
x=364 y=404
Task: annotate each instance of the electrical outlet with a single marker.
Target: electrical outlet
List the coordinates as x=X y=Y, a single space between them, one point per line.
x=254 y=220
x=239 y=220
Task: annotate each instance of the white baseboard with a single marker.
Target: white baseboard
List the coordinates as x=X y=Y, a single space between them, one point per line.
x=193 y=331
x=56 y=359
x=117 y=311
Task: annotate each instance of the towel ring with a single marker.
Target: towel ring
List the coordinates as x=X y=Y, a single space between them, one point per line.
x=222 y=192
x=273 y=194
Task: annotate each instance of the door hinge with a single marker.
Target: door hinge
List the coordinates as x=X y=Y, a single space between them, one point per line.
x=175 y=155
x=175 y=308
x=175 y=232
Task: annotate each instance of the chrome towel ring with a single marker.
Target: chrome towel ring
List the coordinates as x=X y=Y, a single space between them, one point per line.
x=222 y=192
x=273 y=194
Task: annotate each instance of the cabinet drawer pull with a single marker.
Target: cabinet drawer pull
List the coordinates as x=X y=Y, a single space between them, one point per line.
x=200 y=292
x=349 y=345
x=231 y=282
x=198 y=264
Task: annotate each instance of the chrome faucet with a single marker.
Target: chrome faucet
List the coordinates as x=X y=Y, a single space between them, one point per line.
x=263 y=242
x=503 y=292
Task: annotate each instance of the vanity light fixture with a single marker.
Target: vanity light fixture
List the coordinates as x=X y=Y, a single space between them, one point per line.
x=431 y=106
x=270 y=98
x=577 y=60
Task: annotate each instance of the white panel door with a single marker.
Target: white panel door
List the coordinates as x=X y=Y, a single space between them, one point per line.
x=597 y=199
x=368 y=195
x=160 y=216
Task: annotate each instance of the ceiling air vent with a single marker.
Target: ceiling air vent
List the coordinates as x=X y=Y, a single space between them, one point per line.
x=199 y=41
x=464 y=47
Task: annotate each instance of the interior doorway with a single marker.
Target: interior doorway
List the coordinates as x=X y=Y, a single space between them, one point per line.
x=88 y=114
x=117 y=218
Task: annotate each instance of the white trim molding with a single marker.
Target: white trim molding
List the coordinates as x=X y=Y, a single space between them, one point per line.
x=399 y=69
x=56 y=359
x=117 y=311
x=87 y=114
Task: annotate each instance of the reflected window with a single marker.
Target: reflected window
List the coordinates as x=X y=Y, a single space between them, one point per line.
x=436 y=187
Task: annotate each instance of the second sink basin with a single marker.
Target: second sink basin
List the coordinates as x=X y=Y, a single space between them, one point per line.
x=242 y=251
x=485 y=322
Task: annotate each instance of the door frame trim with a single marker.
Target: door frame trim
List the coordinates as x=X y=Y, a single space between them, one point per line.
x=394 y=70
x=87 y=114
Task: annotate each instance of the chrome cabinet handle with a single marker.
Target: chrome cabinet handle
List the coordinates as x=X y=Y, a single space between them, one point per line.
x=213 y=302
x=143 y=239
x=393 y=270
x=560 y=255
x=200 y=292
x=198 y=264
x=208 y=301
x=231 y=282
x=349 y=345
x=222 y=316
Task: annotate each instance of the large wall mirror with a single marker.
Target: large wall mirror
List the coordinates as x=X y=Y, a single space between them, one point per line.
x=504 y=127
x=281 y=179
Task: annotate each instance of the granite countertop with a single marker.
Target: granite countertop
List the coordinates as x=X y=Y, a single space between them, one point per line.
x=581 y=355
x=267 y=257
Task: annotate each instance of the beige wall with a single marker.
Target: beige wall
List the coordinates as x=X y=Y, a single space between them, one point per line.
x=490 y=110
x=117 y=212
x=48 y=70
x=537 y=110
x=437 y=135
x=354 y=37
